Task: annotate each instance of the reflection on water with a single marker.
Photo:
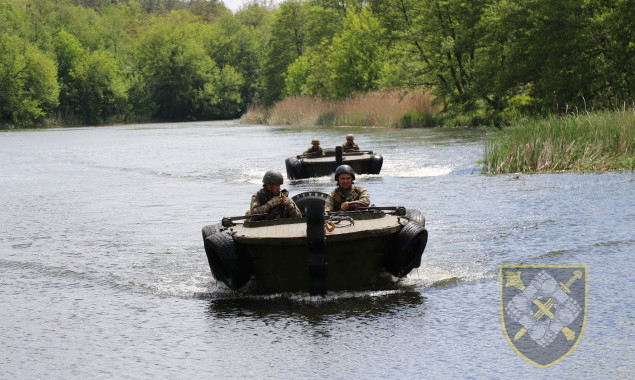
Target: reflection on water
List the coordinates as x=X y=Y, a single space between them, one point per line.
x=316 y=310
x=104 y=272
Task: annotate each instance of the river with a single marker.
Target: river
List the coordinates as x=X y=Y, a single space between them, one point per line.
x=104 y=275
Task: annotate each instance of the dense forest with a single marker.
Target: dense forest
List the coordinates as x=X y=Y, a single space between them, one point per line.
x=72 y=62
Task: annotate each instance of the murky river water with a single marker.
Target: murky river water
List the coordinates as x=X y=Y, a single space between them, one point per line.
x=104 y=273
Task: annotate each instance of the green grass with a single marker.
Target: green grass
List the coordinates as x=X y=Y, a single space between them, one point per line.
x=591 y=142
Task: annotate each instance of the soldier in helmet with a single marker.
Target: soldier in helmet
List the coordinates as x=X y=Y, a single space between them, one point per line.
x=315 y=148
x=272 y=201
x=349 y=145
x=345 y=196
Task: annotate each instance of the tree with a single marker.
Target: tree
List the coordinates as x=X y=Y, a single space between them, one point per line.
x=232 y=46
x=28 y=85
x=178 y=78
x=285 y=45
x=356 y=55
x=538 y=49
x=612 y=50
x=308 y=74
x=92 y=84
x=434 y=44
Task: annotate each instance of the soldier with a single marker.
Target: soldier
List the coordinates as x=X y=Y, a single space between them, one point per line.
x=315 y=148
x=349 y=145
x=346 y=196
x=272 y=201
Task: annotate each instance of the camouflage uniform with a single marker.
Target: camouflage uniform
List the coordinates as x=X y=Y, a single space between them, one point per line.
x=313 y=150
x=350 y=147
x=336 y=198
x=286 y=209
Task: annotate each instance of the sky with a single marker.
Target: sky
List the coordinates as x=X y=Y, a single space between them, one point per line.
x=234 y=5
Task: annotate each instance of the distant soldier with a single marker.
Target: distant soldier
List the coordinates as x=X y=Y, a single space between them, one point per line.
x=346 y=196
x=315 y=148
x=272 y=201
x=349 y=145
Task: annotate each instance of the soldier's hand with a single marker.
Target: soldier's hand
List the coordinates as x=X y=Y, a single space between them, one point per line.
x=284 y=193
x=273 y=202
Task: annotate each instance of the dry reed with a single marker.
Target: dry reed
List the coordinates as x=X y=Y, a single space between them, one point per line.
x=377 y=108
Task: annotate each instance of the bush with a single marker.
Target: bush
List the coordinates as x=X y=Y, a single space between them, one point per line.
x=417 y=120
x=591 y=142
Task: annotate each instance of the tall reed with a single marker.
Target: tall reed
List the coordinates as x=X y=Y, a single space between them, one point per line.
x=377 y=108
x=590 y=142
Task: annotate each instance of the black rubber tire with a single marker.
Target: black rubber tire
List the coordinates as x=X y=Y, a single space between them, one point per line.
x=316 y=243
x=303 y=200
x=315 y=233
x=339 y=155
x=415 y=216
x=410 y=244
x=227 y=264
x=374 y=166
x=294 y=168
x=212 y=229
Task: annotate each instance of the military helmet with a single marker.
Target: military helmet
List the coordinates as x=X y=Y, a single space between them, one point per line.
x=344 y=169
x=350 y=137
x=315 y=141
x=273 y=176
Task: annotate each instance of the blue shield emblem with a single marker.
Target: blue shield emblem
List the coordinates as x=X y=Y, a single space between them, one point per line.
x=543 y=310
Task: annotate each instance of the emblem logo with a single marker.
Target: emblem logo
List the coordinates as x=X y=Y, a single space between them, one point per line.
x=543 y=310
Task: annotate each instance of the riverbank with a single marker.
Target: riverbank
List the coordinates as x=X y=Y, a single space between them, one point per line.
x=601 y=141
x=398 y=109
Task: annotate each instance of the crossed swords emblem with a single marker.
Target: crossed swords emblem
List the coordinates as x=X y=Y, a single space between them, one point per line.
x=544 y=309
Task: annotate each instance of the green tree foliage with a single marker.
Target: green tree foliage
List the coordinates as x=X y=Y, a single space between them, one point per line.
x=179 y=79
x=285 y=45
x=611 y=27
x=308 y=74
x=356 y=55
x=538 y=48
x=497 y=58
x=92 y=85
x=485 y=60
x=343 y=63
x=28 y=84
x=233 y=46
x=434 y=44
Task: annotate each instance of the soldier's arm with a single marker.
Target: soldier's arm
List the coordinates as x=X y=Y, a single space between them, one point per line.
x=257 y=208
x=364 y=198
x=293 y=209
x=328 y=206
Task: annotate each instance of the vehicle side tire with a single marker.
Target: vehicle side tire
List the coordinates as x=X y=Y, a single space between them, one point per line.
x=309 y=198
x=339 y=155
x=294 y=168
x=316 y=243
x=315 y=232
x=374 y=166
x=410 y=244
x=227 y=264
x=211 y=229
x=415 y=216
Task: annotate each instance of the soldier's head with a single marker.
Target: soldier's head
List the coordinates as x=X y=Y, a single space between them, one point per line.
x=344 y=176
x=315 y=142
x=350 y=138
x=272 y=181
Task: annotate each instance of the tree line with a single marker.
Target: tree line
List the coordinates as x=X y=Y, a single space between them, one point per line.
x=491 y=61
